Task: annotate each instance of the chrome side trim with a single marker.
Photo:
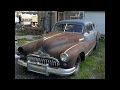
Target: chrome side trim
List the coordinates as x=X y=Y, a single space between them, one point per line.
x=90 y=50
x=80 y=40
x=72 y=47
x=44 y=38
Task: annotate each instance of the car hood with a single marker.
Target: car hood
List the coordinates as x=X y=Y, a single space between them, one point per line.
x=58 y=38
x=53 y=43
x=57 y=42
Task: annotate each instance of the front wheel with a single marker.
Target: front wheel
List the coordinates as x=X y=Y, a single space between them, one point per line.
x=77 y=65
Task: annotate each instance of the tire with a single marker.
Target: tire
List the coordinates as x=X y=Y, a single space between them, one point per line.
x=77 y=65
x=96 y=45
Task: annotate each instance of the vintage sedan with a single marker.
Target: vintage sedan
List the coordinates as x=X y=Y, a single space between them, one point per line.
x=60 y=51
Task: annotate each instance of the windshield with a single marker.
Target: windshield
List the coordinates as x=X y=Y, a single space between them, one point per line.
x=67 y=28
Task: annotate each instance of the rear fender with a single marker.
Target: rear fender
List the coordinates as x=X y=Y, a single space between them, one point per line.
x=98 y=36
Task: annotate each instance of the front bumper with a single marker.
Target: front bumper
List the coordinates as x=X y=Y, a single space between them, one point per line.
x=45 y=69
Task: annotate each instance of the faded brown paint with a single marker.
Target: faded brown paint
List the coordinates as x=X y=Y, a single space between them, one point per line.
x=81 y=47
x=31 y=47
x=51 y=43
x=55 y=43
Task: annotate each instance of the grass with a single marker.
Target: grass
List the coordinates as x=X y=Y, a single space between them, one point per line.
x=38 y=37
x=23 y=40
x=21 y=32
x=94 y=66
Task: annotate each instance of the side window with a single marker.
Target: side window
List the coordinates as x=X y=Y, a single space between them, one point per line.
x=88 y=28
x=85 y=29
x=74 y=28
x=78 y=28
x=91 y=27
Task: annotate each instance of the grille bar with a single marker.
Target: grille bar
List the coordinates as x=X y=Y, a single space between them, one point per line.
x=45 y=60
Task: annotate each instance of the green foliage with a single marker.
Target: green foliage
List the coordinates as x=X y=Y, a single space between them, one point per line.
x=94 y=66
x=21 y=32
x=38 y=37
x=23 y=40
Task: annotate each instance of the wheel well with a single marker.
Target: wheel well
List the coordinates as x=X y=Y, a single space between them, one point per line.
x=82 y=55
x=20 y=50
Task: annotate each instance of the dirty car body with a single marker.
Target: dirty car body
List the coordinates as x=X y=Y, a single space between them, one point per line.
x=61 y=50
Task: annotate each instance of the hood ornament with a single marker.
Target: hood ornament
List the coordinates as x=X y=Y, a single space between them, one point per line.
x=42 y=52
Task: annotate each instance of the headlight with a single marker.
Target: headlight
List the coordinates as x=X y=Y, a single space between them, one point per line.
x=64 y=57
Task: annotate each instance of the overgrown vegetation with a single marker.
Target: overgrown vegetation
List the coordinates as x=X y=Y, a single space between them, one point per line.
x=38 y=37
x=29 y=31
x=21 y=32
x=94 y=66
x=23 y=40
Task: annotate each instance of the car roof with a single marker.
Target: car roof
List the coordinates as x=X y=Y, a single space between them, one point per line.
x=75 y=21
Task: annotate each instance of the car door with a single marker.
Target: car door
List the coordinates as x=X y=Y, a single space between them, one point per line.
x=93 y=32
x=89 y=36
x=89 y=32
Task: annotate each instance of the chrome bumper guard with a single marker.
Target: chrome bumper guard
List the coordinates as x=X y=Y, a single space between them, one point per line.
x=45 y=69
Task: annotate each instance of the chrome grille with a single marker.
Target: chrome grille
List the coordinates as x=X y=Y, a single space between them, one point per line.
x=44 y=60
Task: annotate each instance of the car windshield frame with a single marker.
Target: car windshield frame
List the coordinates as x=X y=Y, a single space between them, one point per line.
x=67 y=28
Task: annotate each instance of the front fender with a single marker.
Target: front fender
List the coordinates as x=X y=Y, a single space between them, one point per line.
x=73 y=53
x=30 y=47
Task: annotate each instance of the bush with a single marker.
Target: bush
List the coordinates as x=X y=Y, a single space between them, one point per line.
x=21 y=32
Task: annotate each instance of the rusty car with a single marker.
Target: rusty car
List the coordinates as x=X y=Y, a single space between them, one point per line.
x=61 y=50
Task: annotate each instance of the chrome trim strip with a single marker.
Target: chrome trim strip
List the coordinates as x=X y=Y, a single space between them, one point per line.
x=72 y=47
x=35 y=55
x=80 y=40
x=89 y=50
x=44 y=38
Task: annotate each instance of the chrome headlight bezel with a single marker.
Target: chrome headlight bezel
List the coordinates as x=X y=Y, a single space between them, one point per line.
x=64 y=57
